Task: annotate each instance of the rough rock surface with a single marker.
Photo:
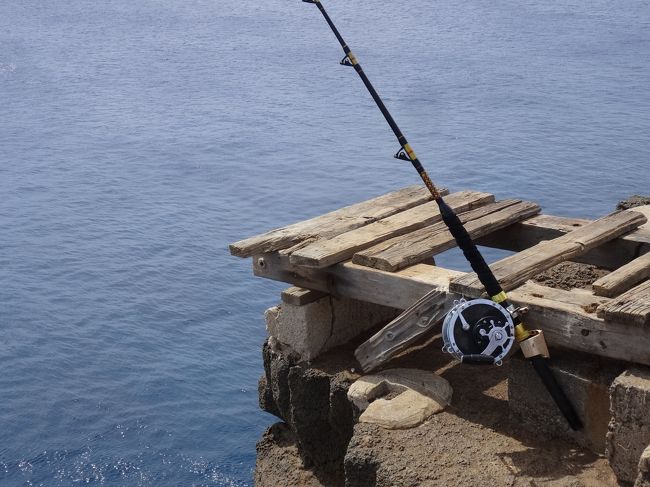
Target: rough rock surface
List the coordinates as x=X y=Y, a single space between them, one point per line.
x=629 y=429
x=643 y=479
x=473 y=442
x=632 y=202
x=399 y=398
x=312 y=401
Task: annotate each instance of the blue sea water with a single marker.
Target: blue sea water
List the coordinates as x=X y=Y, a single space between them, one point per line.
x=138 y=139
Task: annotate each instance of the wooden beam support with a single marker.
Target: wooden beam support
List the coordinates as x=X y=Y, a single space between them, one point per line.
x=396 y=289
x=299 y=296
x=568 y=318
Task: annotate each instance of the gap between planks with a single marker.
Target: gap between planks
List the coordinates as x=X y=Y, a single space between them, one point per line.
x=414 y=247
x=518 y=268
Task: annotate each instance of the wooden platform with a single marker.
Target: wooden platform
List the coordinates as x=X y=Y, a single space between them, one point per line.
x=380 y=251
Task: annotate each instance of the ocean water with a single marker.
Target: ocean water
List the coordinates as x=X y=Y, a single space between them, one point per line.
x=138 y=139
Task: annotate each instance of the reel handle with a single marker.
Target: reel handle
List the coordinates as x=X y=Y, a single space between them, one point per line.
x=477 y=359
x=545 y=373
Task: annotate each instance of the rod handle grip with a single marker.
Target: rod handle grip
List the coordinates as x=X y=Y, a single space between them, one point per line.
x=477 y=359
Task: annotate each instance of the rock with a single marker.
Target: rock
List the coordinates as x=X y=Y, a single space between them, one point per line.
x=312 y=401
x=643 y=479
x=629 y=429
x=633 y=202
x=417 y=395
x=407 y=410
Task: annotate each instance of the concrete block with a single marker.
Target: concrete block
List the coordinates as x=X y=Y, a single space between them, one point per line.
x=629 y=429
x=643 y=478
x=318 y=326
x=585 y=380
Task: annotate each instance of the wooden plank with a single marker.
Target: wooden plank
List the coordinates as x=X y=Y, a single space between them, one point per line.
x=568 y=318
x=408 y=249
x=610 y=255
x=623 y=278
x=333 y=223
x=403 y=331
x=631 y=307
x=518 y=268
x=395 y=289
x=342 y=247
x=299 y=296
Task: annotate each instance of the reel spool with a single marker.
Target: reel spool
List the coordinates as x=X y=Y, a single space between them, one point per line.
x=478 y=331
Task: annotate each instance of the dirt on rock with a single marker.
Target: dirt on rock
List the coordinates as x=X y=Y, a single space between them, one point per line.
x=570 y=275
x=475 y=441
x=633 y=201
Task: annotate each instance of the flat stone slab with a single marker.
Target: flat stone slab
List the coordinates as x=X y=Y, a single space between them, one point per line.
x=416 y=395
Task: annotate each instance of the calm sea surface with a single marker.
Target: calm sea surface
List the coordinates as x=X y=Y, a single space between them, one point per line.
x=137 y=139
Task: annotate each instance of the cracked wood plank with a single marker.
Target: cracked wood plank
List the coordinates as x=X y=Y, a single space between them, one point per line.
x=323 y=253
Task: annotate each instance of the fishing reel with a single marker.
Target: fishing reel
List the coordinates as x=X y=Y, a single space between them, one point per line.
x=478 y=331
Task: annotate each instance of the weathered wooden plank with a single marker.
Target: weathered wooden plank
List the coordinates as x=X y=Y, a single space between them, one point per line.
x=631 y=307
x=299 y=296
x=323 y=253
x=333 y=223
x=413 y=247
x=610 y=255
x=395 y=289
x=568 y=318
x=403 y=331
x=623 y=278
x=518 y=268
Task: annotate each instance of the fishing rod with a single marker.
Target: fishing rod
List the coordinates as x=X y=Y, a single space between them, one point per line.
x=478 y=331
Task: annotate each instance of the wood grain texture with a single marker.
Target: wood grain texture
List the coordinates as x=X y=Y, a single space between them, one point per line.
x=568 y=318
x=404 y=330
x=631 y=307
x=323 y=253
x=333 y=223
x=299 y=296
x=414 y=247
x=518 y=268
x=623 y=278
x=610 y=255
x=395 y=289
